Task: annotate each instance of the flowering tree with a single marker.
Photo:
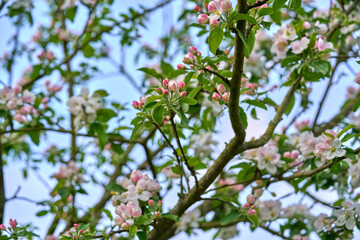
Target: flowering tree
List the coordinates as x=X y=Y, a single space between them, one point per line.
x=250 y=56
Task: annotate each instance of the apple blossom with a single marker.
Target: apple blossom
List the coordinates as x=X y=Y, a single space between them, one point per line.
x=299 y=46
x=203 y=19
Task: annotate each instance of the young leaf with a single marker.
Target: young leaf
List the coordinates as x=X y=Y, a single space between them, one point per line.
x=242 y=16
x=158 y=114
x=278 y=4
x=215 y=38
x=188 y=100
x=357 y=105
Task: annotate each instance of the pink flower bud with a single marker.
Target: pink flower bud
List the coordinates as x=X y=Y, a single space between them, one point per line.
x=17 y=89
x=193 y=50
x=226 y=52
x=252 y=85
x=214 y=23
x=81 y=231
x=226 y=97
x=165 y=92
x=226 y=5
x=287 y=154
x=216 y=96
x=221 y=88
x=357 y=78
x=136 y=104
x=203 y=19
x=160 y=202
x=306 y=25
x=159 y=89
x=151 y=202
x=45 y=100
x=2 y=227
x=197 y=8
x=157 y=213
x=252 y=212
x=250 y=198
x=213 y=6
x=295 y=154
x=183 y=94
x=181 y=67
x=259 y=182
x=258 y=192
x=11 y=105
x=181 y=85
x=26 y=109
x=209 y=68
x=19 y=118
x=247 y=205
x=165 y=82
x=76 y=225
x=13 y=223
x=173 y=85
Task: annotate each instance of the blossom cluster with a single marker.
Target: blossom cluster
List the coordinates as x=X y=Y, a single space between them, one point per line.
x=218 y=10
x=19 y=101
x=70 y=173
x=325 y=147
x=286 y=35
x=138 y=189
x=84 y=108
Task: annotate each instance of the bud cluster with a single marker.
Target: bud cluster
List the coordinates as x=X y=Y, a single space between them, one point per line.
x=218 y=10
x=139 y=105
x=221 y=94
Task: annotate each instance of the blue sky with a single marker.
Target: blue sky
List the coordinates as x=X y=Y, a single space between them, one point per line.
x=119 y=88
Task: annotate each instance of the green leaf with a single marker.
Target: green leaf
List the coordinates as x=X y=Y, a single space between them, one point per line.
x=108 y=214
x=215 y=38
x=132 y=230
x=35 y=137
x=173 y=217
x=265 y=11
x=135 y=130
x=70 y=13
x=243 y=40
x=357 y=105
x=151 y=72
x=234 y=216
x=141 y=235
x=166 y=68
x=290 y=106
x=115 y=187
x=348 y=127
x=158 y=114
x=242 y=16
x=243 y=117
x=294 y=4
x=42 y=213
x=188 y=100
x=321 y=66
x=254 y=219
x=104 y=114
x=278 y=4
x=136 y=120
x=88 y=51
x=100 y=93
x=101 y=134
x=194 y=92
x=188 y=78
x=250 y=41
x=256 y=103
x=290 y=59
x=184 y=119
